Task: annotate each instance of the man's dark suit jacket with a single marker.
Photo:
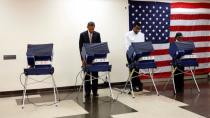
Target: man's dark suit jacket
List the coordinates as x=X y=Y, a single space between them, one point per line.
x=84 y=38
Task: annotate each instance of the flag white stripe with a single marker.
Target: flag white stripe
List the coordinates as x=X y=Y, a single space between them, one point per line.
x=191 y=33
x=202 y=44
x=190 y=11
x=168 y=68
x=161 y=46
x=162 y=57
x=166 y=45
x=203 y=54
x=168 y=57
x=189 y=22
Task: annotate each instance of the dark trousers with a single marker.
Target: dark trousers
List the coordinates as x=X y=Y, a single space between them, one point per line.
x=179 y=78
x=94 y=85
x=136 y=82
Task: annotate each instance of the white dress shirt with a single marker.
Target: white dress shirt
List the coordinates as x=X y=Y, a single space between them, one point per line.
x=131 y=37
x=90 y=36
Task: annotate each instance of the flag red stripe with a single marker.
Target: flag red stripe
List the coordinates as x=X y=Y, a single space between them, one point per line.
x=190 y=5
x=167 y=62
x=168 y=74
x=204 y=60
x=160 y=52
x=165 y=51
x=202 y=49
x=190 y=28
x=158 y=75
x=189 y=16
x=163 y=63
x=194 y=39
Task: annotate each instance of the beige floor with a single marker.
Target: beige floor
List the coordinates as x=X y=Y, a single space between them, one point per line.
x=9 y=109
x=154 y=106
x=148 y=106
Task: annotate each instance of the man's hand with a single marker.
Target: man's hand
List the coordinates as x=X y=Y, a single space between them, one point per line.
x=83 y=63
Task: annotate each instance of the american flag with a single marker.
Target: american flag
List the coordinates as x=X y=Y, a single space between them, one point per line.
x=161 y=21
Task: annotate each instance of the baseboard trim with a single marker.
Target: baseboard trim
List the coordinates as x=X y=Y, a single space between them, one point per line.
x=45 y=90
x=71 y=88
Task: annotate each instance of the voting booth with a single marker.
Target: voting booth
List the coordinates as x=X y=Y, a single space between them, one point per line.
x=39 y=60
x=139 y=54
x=182 y=55
x=94 y=56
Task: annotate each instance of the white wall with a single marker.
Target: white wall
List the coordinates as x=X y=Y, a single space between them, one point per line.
x=59 y=22
x=170 y=1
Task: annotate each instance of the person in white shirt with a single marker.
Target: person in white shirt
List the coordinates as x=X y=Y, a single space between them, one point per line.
x=134 y=36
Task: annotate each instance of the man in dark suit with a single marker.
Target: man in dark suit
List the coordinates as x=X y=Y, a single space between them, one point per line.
x=90 y=36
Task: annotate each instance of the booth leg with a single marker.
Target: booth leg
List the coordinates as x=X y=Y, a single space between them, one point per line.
x=83 y=84
x=55 y=91
x=172 y=77
x=109 y=81
x=151 y=76
x=193 y=75
x=24 y=92
x=80 y=89
x=123 y=91
x=164 y=88
x=174 y=84
x=130 y=80
x=83 y=93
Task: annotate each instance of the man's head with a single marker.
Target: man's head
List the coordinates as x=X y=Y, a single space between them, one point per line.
x=178 y=36
x=136 y=27
x=91 y=27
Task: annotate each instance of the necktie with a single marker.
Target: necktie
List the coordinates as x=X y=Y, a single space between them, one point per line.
x=90 y=37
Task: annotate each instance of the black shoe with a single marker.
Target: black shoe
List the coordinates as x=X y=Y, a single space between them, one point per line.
x=106 y=84
x=136 y=89
x=87 y=96
x=180 y=91
x=141 y=88
x=95 y=95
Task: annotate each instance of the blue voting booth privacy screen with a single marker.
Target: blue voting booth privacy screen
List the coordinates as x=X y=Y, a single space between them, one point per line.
x=39 y=52
x=179 y=49
x=139 y=50
x=91 y=52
